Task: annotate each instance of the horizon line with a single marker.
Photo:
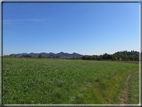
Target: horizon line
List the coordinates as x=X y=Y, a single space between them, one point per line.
x=69 y=53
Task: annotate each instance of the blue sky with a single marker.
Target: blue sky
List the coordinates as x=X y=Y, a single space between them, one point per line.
x=85 y=28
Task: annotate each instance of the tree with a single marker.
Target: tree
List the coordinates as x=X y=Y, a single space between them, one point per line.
x=33 y=56
x=40 y=56
x=94 y=57
x=126 y=58
x=113 y=57
x=61 y=57
x=120 y=56
x=98 y=58
x=74 y=57
x=105 y=56
x=24 y=56
x=28 y=56
x=84 y=57
x=131 y=58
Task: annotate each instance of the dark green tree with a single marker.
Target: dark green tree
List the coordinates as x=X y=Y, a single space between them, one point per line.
x=74 y=57
x=40 y=56
x=33 y=56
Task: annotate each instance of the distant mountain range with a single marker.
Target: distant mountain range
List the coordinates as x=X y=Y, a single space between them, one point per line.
x=61 y=54
x=67 y=55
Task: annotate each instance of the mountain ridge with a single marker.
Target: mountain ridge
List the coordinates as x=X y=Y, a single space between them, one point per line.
x=67 y=55
x=60 y=54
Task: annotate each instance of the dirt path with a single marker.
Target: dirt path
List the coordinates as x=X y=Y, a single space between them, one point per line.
x=124 y=95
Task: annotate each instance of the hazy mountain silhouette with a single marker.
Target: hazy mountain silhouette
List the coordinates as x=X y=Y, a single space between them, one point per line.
x=61 y=54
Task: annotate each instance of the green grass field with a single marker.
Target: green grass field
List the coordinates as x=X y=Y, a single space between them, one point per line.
x=42 y=81
x=134 y=88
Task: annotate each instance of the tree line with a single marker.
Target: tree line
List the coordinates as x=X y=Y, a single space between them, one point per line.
x=113 y=57
x=121 y=56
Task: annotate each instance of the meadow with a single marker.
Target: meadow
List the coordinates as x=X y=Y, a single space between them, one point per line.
x=48 y=81
x=134 y=88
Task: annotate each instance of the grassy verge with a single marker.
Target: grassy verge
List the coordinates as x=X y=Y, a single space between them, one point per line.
x=106 y=91
x=31 y=81
x=134 y=88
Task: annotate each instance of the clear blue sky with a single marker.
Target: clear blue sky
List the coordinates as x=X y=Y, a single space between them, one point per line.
x=85 y=28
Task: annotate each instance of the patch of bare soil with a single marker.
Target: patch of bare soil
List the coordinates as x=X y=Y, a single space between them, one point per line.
x=124 y=95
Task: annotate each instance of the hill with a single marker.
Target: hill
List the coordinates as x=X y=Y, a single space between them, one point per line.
x=136 y=53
